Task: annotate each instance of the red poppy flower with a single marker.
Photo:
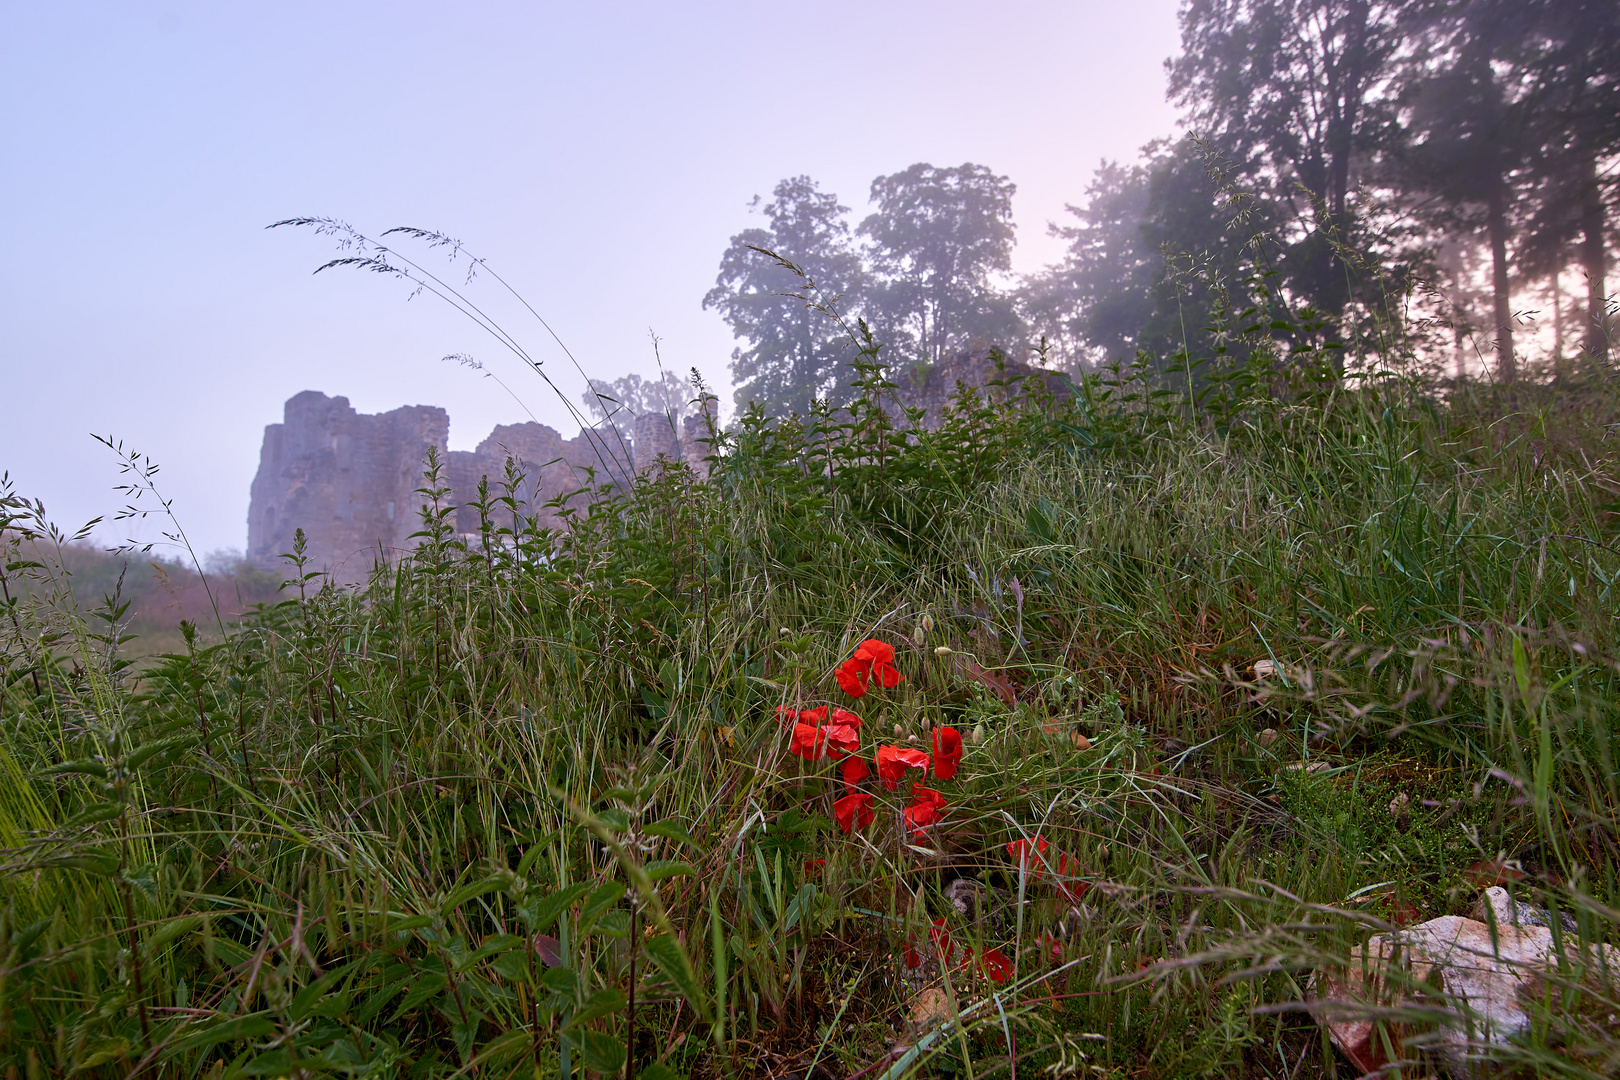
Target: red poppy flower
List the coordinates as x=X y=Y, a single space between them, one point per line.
x=1068 y=879
x=1030 y=856
x=814 y=716
x=841 y=738
x=995 y=964
x=809 y=742
x=913 y=958
x=947 y=752
x=855 y=771
x=927 y=807
x=847 y=718
x=812 y=867
x=787 y=714
x=941 y=938
x=893 y=761
x=873 y=662
x=853 y=811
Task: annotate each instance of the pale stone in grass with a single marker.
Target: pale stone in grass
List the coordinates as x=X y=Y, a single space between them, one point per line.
x=1264 y=669
x=1398 y=805
x=1481 y=979
x=1268 y=736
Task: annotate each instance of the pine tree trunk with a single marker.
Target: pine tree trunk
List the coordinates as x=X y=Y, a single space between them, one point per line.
x=1507 y=367
x=1594 y=261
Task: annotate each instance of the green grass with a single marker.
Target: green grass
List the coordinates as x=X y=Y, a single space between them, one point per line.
x=325 y=843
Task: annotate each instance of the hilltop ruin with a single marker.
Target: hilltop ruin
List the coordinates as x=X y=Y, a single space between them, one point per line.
x=349 y=479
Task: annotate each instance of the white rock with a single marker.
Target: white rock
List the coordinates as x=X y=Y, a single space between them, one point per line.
x=1495 y=903
x=1398 y=805
x=1482 y=974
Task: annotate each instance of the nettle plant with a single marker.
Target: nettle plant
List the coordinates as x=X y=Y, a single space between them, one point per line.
x=914 y=816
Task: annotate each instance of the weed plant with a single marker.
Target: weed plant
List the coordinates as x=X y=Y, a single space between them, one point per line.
x=525 y=804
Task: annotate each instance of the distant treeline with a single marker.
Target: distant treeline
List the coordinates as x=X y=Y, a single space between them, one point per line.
x=1456 y=155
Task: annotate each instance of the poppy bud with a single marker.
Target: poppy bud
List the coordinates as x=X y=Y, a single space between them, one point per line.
x=927 y=623
x=917 y=636
x=978 y=734
x=942 y=650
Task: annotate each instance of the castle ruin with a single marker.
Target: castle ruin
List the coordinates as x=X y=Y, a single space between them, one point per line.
x=350 y=480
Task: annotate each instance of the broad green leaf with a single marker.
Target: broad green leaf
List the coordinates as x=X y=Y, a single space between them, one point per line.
x=613 y=924
x=147 y=751
x=92 y=862
x=600 y=1003
x=243 y=1027
x=560 y=981
x=83 y=768
x=659 y=869
x=277 y=1062
x=505 y=1048
x=167 y=932
x=603 y=1053
x=500 y=943
x=105 y=811
x=472 y=890
x=426 y=986
x=672 y=960
x=307 y=998
x=671 y=830
x=604 y=897
x=547 y=910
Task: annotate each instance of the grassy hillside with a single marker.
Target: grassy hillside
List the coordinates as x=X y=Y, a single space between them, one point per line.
x=1231 y=690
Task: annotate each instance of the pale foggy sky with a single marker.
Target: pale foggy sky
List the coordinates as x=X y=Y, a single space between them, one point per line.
x=599 y=156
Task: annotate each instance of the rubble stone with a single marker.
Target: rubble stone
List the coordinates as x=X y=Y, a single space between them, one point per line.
x=1480 y=973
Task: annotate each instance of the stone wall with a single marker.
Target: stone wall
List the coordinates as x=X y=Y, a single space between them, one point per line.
x=349 y=479
x=344 y=478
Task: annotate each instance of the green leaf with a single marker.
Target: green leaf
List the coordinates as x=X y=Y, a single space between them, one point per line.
x=243 y=1027
x=147 y=751
x=1521 y=665
x=604 y=897
x=105 y=811
x=659 y=869
x=613 y=924
x=506 y=1048
x=671 y=830
x=658 y=1071
x=472 y=890
x=603 y=1053
x=511 y=966
x=83 y=768
x=671 y=958
x=170 y=930
x=614 y=818
x=600 y=1003
x=426 y=986
x=93 y=862
x=532 y=856
x=311 y=995
x=560 y=981
x=547 y=910
x=277 y=1062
